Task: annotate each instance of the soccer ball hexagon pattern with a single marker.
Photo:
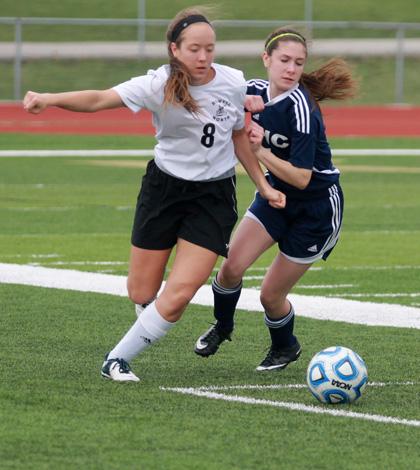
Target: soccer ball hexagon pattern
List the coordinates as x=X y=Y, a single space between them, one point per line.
x=337 y=375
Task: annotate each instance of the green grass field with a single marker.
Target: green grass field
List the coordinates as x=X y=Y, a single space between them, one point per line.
x=57 y=412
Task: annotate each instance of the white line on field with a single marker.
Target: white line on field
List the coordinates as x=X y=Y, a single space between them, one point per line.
x=349 y=268
x=150 y=153
x=81 y=263
x=318 y=307
x=375 y=268
x=300 y=286
x=292 y=406
x=376 y=152
x=325 y=286
x=291 y=386
x=77 y=153
x=385 y=294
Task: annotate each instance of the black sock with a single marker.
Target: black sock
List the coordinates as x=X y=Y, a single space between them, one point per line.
x=281 y=330
x=225 y=301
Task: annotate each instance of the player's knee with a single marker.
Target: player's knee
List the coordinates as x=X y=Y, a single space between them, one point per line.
x=230 y=274
x=139 y=295
x=271 y=301
x=178 y=297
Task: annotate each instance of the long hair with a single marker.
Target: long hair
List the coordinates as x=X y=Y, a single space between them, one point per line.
x=176 y=90
x=332 y=80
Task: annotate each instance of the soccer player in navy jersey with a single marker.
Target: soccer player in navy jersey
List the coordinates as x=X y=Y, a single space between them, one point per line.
x=187 y=198
x=287 y=135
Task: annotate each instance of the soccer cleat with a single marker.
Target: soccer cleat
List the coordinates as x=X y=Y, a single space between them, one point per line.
x=118 y=370
x=208 y=343
x=279 y=359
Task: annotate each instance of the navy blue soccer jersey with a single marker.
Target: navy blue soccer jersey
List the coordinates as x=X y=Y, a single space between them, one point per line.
x=295 y=132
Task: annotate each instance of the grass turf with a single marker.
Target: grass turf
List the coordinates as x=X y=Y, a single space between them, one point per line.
x=58 y=413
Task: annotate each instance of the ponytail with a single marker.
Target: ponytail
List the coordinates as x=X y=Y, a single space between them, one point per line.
x=333 y=80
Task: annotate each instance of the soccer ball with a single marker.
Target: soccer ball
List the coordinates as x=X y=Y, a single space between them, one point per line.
x=336 y=375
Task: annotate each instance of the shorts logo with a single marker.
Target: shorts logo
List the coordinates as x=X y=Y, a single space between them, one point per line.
x=313 y=249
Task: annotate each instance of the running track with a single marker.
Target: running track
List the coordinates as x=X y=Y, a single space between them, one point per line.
x=372 y=121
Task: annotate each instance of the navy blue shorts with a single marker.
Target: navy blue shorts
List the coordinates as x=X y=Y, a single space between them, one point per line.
x=168 y=208
x=305 y=230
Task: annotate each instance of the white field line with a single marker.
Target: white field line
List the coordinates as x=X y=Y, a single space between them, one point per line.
x=291 y=386
x=293 y=406
x=325 y=286
x=318 y=307
x=77 y=153
x=376 y=152
x=375 y=268
x=149 y=153
x=81 y=263
x=384 y=294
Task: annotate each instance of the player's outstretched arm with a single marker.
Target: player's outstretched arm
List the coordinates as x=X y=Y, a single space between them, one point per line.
x=243 y=151
x=87 y=101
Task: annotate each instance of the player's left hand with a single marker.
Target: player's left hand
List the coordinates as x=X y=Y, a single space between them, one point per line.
x=255 y=135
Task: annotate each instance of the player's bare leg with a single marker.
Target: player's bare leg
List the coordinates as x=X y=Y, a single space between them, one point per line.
x=191 y=268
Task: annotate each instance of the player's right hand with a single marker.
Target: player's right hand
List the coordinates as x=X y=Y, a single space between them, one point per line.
x=254 y=103
x=34 y=102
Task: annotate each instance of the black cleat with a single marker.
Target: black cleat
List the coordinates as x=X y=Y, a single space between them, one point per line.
x=208 y=343
x=279 y=359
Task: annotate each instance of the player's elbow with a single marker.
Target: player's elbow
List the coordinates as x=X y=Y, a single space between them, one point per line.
x=103 y=99
x=303 y=178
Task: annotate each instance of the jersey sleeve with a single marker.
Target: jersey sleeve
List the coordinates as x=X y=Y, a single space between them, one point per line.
x=141 y=92
x=304 y=132
x=240 y=108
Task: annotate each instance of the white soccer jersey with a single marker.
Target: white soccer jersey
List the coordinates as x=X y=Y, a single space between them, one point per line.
x=195 y=147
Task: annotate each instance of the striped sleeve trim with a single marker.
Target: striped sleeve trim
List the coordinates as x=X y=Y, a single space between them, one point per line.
x=257 y=83
x=302 y=112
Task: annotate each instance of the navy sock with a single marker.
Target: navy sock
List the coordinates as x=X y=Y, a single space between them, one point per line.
x=225 y=301
x=281 y=330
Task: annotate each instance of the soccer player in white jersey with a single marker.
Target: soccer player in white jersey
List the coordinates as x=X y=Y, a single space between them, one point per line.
x=288 y=137
x=187 y=198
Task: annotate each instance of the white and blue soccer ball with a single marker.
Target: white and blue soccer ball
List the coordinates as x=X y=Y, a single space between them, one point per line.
x=337 y=375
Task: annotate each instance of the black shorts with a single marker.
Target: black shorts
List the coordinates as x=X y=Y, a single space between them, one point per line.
x=168 y=208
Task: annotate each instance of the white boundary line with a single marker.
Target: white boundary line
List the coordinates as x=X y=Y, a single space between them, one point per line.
x=318 y=307
x=115 y=285
x=77 y=153
x=206 y=393
x=297 y=386
x=150 y=153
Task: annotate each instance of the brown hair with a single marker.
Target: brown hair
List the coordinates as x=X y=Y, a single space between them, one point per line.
x=332 y=80
x=176 y=87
